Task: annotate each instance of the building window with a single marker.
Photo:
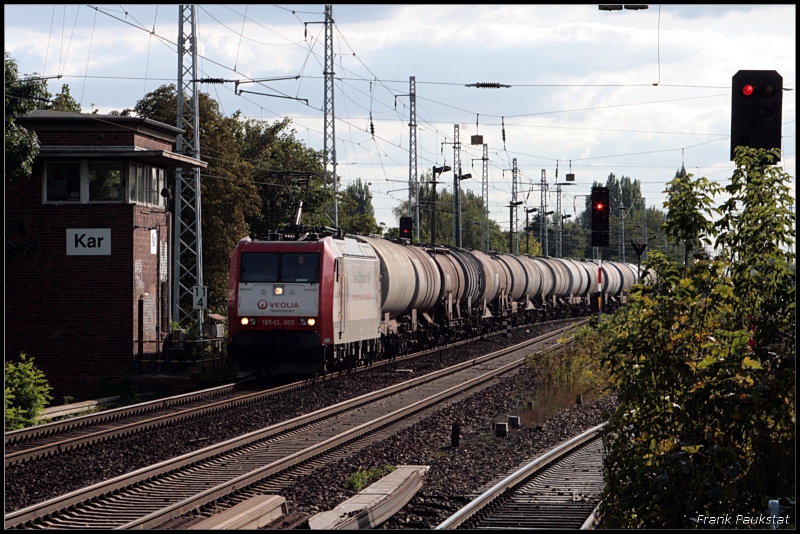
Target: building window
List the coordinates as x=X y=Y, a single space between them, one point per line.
x=145 y=185
x=63 y=182
x=102 y=181
x=105 y=181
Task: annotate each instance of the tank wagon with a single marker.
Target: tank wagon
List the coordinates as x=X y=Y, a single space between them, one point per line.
x=317 y=300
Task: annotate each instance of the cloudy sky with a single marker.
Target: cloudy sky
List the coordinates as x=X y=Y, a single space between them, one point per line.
x=636 y=93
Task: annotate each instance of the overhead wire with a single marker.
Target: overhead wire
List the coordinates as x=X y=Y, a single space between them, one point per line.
x=88 y=55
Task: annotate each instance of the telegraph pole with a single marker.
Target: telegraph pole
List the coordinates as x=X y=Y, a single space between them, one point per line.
x=187 y=270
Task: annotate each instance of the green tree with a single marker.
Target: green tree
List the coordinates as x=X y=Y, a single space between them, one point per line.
x=21 y=97
x=27 y=393
x=227 y=191
x=471 y=216
x=703 y=364
x=688 y=203
x=356 y=213
x=285 y=172
x=63 y=101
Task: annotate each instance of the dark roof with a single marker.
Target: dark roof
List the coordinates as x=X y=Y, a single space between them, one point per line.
x=69 y=116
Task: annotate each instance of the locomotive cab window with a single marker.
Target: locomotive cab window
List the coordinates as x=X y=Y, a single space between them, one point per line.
x=265 y=267
x=300 y=268
x=259 y=267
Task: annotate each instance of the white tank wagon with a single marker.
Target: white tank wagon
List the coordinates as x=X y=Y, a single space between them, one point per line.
x=398 y=278
x=548 y=278
x=591 y=271
x=535 y=282
x=429 y=281
x=491 y=277
x=519 y=278
x=473 y=278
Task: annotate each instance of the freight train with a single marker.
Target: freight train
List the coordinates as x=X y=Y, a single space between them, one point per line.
x=316 y=300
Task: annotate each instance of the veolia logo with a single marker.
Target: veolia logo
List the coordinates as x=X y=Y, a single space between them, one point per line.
x=262 y=304
x=283 y=305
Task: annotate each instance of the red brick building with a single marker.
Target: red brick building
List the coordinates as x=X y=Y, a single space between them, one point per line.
x=96 y=238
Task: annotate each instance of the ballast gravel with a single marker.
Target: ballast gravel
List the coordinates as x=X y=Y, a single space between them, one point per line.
x=429 y=440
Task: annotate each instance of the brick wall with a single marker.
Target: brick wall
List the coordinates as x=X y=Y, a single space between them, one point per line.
x=111 y=137
x=77 y=315
x=81 y=138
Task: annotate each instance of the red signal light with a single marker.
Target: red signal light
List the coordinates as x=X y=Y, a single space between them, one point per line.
x=747 y=90
x=599 y=205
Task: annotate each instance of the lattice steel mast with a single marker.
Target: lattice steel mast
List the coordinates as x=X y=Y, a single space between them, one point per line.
x=543 y=215
x=456 y=187
x=513 y=238
x=188 y=249
x=413 y=182
x=329 y=150
x=485 y=197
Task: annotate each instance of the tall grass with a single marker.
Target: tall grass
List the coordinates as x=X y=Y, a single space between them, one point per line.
x=572 y=371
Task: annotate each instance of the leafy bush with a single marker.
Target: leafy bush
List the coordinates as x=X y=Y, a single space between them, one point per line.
x=703 y=362
x=361 y=478
x=27 y=393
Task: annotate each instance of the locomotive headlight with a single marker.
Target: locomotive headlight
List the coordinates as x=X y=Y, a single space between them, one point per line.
x=302 y=322
x=245 y=321
x=312 y=321
x=278 y=290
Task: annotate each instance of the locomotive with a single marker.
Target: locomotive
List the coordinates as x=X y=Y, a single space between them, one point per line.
x=316 y=300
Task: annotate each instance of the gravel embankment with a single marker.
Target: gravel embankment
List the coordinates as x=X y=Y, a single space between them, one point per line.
x=26 y=485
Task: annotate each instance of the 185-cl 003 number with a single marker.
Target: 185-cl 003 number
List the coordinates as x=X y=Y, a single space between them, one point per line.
x=278 y=322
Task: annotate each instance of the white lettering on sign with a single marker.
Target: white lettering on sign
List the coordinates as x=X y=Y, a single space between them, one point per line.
x=153 y=241
x=88 y=241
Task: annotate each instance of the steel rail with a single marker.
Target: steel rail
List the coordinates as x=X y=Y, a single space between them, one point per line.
x=51 y=429
x=63 y=502
x=477 y=504
x=25 y=434
x=175 y=510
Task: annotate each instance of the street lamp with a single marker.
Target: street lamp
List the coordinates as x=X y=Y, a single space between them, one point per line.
x=527 y=229
x=561 y=234
x=622 y=232
x=543 y=221
x=511 y=228
x=439 y=171
x=457 y=198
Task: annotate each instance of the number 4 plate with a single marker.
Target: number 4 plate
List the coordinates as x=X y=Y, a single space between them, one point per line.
x=200 y=297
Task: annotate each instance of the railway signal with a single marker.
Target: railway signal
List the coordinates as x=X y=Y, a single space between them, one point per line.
x=406 y=226
x=600 y=216
x=756 y=109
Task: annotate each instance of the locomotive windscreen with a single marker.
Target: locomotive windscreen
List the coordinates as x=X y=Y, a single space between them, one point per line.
x=279 y=267
x=298 y=267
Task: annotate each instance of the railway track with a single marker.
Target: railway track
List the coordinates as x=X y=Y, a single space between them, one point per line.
x=44 y=441
x=560 y=489
x=271 y=457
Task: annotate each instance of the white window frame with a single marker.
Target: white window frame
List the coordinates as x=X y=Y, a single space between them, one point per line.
x=127 y=179
x=149 y=193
